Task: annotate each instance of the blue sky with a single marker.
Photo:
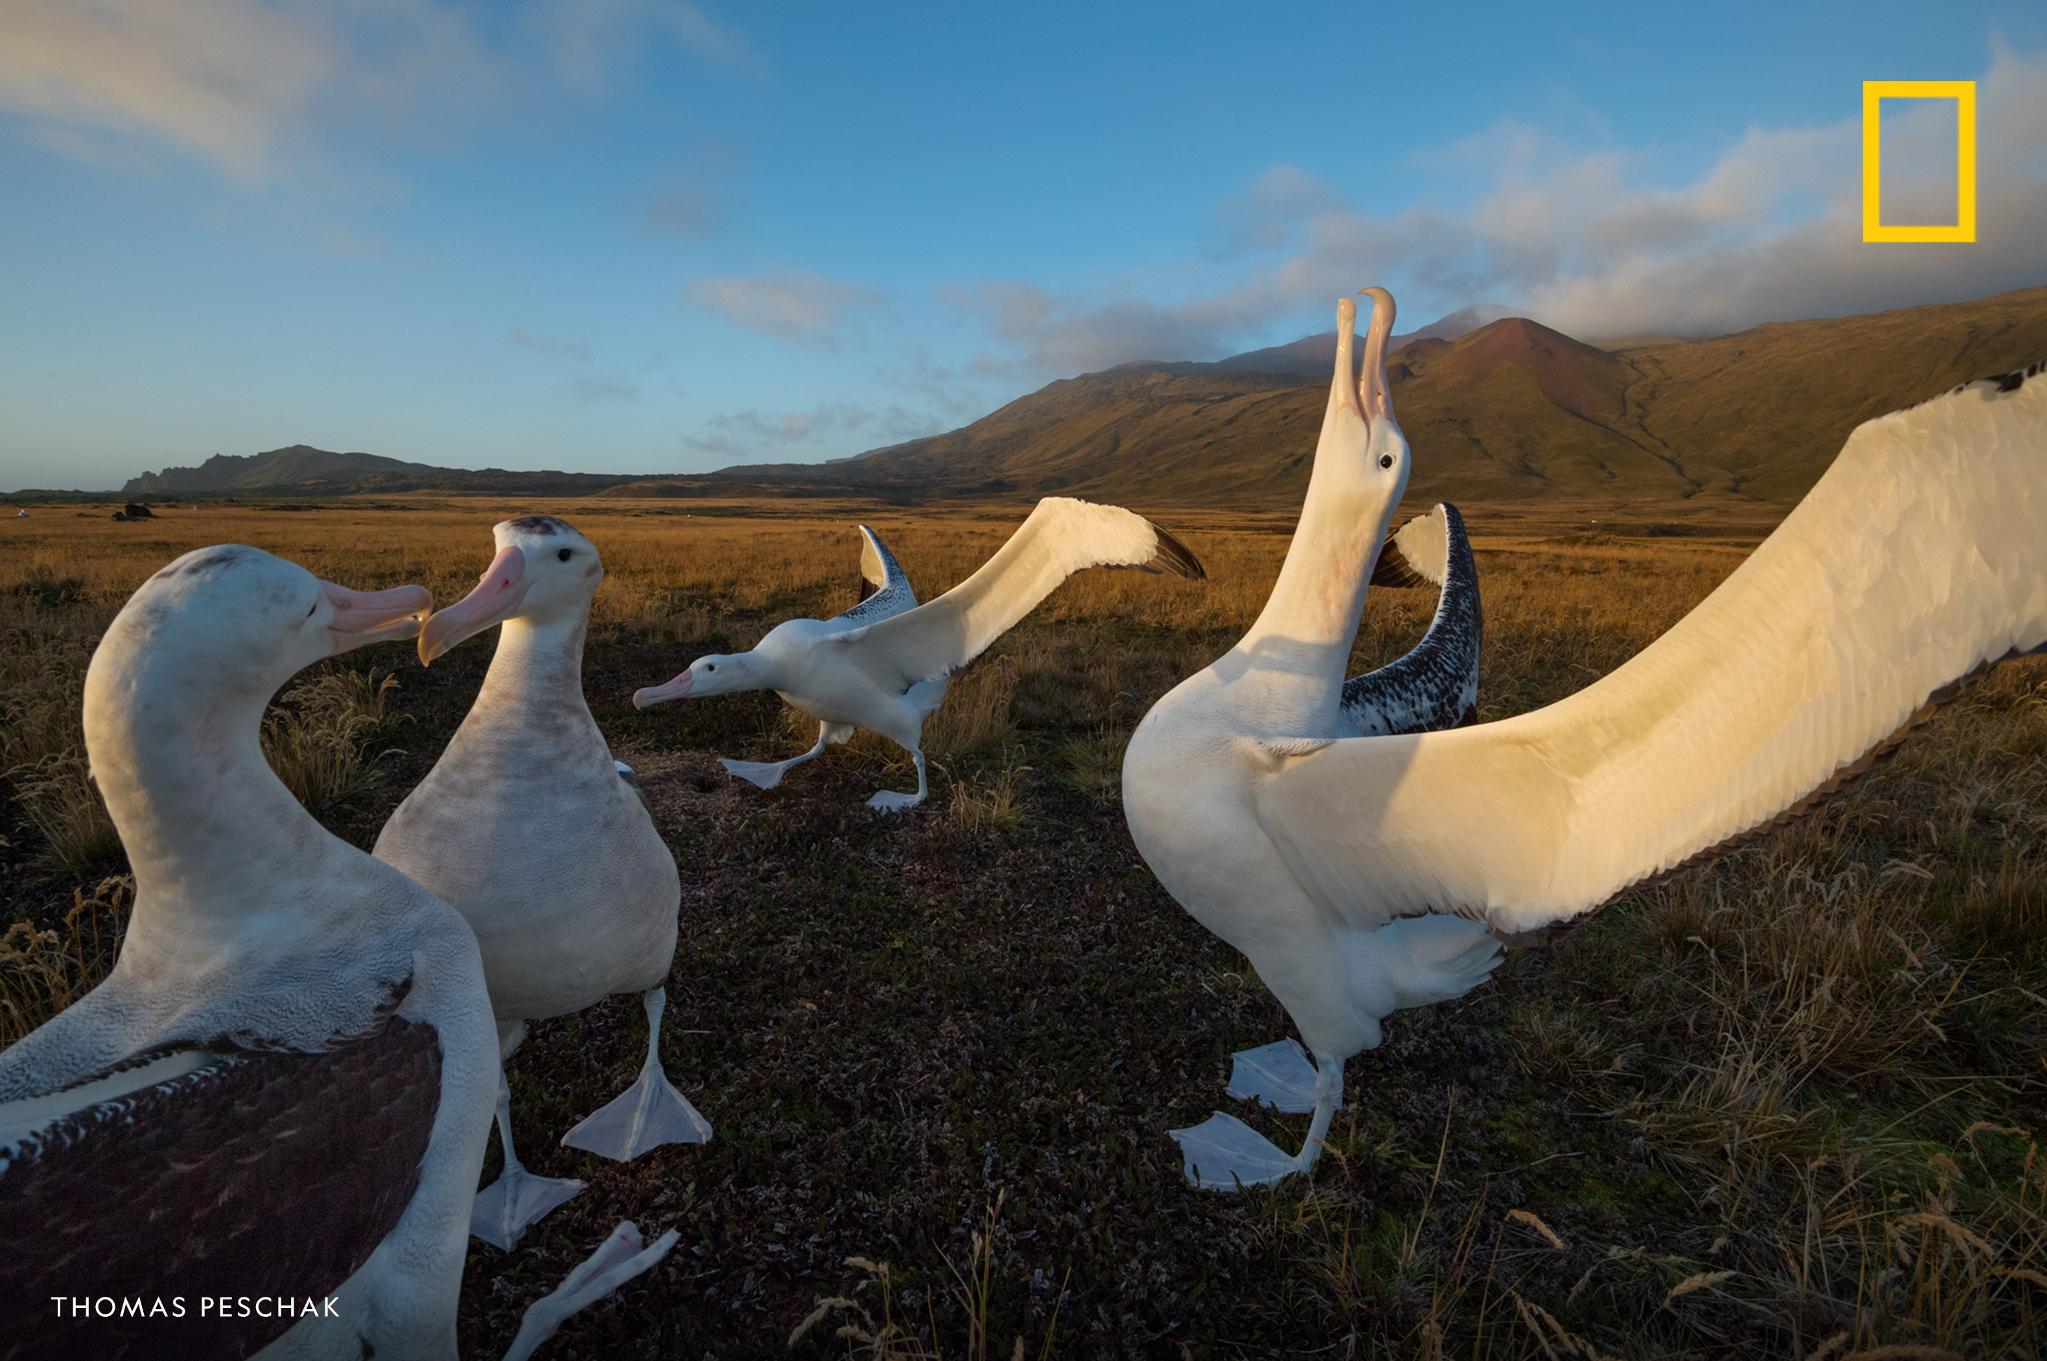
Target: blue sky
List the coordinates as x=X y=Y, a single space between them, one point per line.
x=627 y=235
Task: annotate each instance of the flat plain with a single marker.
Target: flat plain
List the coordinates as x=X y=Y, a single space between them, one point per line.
x=1787 y=1103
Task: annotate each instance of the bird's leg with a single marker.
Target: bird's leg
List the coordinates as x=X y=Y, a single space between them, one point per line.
x=504 y=1209
x=888 y=801
x=647 y=1114
x=768 y=774
x=1328 y=1095
x=1223 y=1153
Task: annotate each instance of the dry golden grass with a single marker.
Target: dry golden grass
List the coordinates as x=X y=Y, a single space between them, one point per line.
x=44 y=971
x=1789 y=1103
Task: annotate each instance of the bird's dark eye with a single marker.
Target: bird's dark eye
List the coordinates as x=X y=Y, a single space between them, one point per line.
x=314 y=606
x=709 y=667
x=564 y=555
x=1385 y=460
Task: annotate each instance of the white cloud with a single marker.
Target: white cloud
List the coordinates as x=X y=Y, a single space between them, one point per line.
x=1055 y=333
x=792 y=305
x=681 y=208
x=251 y=87
x=594 y=389
x=214 y=78
x=1588 y=241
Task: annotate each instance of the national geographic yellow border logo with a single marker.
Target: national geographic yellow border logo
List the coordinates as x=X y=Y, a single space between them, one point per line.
x=1874 y=92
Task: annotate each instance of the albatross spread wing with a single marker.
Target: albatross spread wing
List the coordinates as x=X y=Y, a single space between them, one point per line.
x=1918 y=560
x=1061 y=537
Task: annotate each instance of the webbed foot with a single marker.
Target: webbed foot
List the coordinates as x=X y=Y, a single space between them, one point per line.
x=1222 y=1153
x=1278 y=1075
x=622 y=1256
x=644 y=1116
x=505 y=1209
x=760 y=774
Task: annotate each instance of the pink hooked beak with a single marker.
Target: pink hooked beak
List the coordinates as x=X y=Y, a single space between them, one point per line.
x=659 y=694
x=362 y=617
x=498 y=592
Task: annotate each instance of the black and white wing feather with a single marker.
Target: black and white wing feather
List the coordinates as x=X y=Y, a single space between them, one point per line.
x=1435 y=684
x=884 y=589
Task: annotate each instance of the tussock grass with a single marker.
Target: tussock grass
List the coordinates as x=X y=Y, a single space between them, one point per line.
x=44 y=971
x=960 y=1316
x=990 y=801
x=317 y=738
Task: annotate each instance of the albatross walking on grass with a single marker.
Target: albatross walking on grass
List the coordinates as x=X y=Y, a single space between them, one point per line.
x=882 y=664
x=1365 y=874
x=530 y=828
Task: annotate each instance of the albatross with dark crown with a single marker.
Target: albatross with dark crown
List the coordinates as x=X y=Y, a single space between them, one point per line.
x=284 y=1086
x=1365 y=874
x=883 y=664
x=528 y=826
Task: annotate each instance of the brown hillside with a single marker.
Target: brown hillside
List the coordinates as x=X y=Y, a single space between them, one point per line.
x=1507 y=412
x=1510 y=410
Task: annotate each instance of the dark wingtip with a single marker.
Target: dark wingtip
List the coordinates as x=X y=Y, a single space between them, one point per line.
x=1177 y=557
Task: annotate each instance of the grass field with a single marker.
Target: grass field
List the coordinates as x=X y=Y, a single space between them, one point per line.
x=1786 y=1104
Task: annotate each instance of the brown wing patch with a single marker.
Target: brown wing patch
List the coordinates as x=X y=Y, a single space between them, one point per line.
x=1176 y=557
x=1394 y=570
x=265 y=1174
x=1804 y=807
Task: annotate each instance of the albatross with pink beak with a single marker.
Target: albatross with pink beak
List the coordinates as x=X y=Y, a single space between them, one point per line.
x=529 y=827
x=882 y=665
x=283 y=1088
x=1363 y=871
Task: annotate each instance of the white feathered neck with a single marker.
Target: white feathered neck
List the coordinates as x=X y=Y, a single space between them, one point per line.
x=209 y=828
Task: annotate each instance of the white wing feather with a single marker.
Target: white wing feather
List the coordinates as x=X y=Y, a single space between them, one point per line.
x=1416 y=554
x=1062 y=536
x=1918 y=559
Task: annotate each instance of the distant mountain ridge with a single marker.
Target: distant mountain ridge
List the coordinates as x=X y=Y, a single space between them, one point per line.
x=304 y=470
x=294 y=463
x=1506 y=409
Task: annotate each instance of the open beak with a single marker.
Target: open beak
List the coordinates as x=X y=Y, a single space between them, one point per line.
x=1345 y=392
x=1372 y=392
x=363 y=617
x=1365 y=394
x=661 y=694
x=498 y=592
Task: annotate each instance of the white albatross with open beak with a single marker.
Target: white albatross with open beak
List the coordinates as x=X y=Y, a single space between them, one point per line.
x=1362 y=874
